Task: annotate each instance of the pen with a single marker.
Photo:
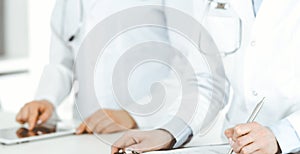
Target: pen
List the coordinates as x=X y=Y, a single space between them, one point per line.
x=126 y=151
x=252 y=117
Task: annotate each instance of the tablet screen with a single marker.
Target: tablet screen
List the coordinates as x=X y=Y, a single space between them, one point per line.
x=17 y=133
x=40 y=130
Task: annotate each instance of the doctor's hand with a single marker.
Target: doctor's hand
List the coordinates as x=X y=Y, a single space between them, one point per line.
x=144 y=141
x=35 y=113
x=107 y=121
x=252 y=138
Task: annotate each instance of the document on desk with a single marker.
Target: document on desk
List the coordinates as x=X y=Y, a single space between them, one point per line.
x=209 y=149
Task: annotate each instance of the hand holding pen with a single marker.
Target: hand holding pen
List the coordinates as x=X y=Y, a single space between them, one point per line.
x=252 y=137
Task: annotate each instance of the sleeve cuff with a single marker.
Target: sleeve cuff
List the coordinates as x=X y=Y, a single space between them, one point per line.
x=286 y=136
x=180 y=131
x=59 y=87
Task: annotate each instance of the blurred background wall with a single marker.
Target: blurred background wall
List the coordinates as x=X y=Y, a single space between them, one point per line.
x=24 y=43
x=15 y=28
x=1 y=28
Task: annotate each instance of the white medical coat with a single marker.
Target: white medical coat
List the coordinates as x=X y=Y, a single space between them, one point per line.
x=272 y=71
x=57 y=79
x=266 y=65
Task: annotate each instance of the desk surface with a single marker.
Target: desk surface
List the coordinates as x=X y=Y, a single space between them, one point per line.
x=88 y=144
x=82 y=144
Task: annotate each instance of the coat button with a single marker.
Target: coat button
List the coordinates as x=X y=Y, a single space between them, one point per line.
x=254 y=93
x=253 y=43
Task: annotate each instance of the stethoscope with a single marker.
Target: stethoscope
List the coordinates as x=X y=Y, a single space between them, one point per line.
x=211 y=5
x=224 y=6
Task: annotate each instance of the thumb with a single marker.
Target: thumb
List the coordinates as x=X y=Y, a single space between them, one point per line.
x=229 y=132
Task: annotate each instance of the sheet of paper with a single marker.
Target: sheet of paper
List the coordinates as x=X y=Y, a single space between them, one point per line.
x=212 y=149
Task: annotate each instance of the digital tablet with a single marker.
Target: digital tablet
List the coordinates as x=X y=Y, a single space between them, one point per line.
x=11 y=136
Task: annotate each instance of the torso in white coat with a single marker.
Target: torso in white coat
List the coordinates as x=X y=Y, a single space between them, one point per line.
x=100 y=10
x=65 y=20
x=272 y=66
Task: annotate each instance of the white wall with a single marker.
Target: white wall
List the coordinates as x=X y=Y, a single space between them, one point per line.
x=1 y=28
x=39 y=32
x=16 y=28
x=15 y=90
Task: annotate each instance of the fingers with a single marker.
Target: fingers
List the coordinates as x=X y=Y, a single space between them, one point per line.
x=126 y=140
x=91 y=124
x=97 y=123
x=106 y=121
x=229 y=133
x=34 y=113
x=112 y=128
x=81 y=129
x=32 y=118
x=22 y=115
x=104 y=126
x=114 y=150
x=46 y=114
x=251 y=148
x=28 y=114
x=239 y=136
x=86 y=126
x=109 y=126
x=140 y=147
x=241 y=130
x=242 y=142
x=144 y=141
x=252 y=138
x=19 y=118
x=94 y=120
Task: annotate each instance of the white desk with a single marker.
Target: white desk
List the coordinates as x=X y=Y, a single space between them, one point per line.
x=82 y=144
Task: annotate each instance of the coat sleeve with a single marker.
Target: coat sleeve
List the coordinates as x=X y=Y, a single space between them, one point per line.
x=56 y=80
x=287 y=131
x=205 y=93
